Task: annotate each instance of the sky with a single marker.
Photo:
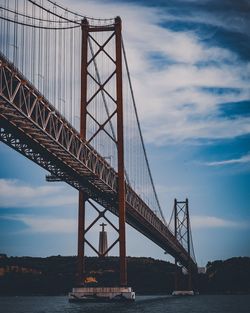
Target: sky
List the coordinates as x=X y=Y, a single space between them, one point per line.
x=190 y=67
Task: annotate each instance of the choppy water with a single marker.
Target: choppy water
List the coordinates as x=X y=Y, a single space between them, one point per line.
x=143 y=304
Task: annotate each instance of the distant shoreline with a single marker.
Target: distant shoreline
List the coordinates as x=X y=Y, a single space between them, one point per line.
x=55 y=276
x=137 y=294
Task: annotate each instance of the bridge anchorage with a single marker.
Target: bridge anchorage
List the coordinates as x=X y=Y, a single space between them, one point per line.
x=66 y=108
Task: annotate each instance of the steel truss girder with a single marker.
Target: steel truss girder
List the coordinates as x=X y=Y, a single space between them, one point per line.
x=32 y=126
x=23 y=144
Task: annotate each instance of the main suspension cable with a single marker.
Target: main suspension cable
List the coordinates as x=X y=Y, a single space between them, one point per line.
x=77 y=14
x=53 y=13
x=32 y=17
x=36 y=26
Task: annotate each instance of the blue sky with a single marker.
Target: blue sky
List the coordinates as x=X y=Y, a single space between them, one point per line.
x=190 y=66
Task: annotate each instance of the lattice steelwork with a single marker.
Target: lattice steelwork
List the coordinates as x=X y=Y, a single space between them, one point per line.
x=45 y=46
x=180 y=223
x=183 y=226
x=43 y=40
x=70 y=125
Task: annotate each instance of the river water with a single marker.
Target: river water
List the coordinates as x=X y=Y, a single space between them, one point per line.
x=143 y=304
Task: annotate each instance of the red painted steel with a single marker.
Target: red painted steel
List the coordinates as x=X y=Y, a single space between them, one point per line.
x=82 y=196
x=182 y=232
x=32 y=126
x=80 y=250
x=120 y=144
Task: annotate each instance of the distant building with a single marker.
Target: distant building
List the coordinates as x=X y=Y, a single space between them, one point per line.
x=2 y=271
x=103 y=241
x=202 y=270
x=18 y=269
x=3 y=256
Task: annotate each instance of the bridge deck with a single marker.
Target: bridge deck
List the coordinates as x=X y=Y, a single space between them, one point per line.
x=33 y=127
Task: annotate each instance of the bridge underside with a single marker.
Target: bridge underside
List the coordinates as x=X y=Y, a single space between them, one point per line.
x=27 y=124
x=15 y=138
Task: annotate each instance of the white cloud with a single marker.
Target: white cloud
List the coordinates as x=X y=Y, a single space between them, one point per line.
x=171 y=103
x=216 y=222
x=14 y=193
x=54 y=224
x=233 y=17
x=241 y=160
x=41 y=224
x=209 y=129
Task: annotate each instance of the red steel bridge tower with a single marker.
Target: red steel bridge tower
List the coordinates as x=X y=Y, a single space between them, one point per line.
x=182 y=231
x=87 y=40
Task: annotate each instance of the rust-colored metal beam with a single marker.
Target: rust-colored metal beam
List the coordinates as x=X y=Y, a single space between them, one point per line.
x=51 y=142
x=190 y=285
x=81 y=226
x=84 y=61
x=120 y=147
x=83 y=118
x=176 y=276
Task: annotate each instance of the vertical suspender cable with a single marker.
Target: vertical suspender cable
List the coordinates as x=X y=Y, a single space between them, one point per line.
x=140 y=132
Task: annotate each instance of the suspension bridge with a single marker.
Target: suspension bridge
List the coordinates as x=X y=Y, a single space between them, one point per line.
x=67 y=104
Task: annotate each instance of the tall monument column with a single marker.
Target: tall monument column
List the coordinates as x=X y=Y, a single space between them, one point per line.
x=103 y=241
